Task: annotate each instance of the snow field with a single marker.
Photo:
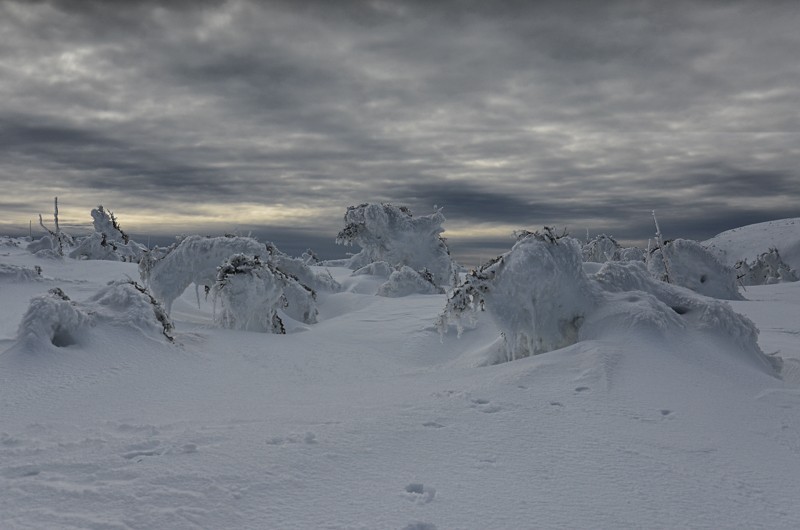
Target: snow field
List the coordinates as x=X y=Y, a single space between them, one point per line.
x=371 y=419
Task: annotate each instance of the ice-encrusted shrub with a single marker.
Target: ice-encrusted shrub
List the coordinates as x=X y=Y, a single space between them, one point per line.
x=601 y=249
x=53 y=320
x=406 y=281
x=392 y=234
x=250 y=293
x=108 y=242
x=537 y=294
x=768 y=268
x=56 y=242
x=694 y=267
x=195 y=259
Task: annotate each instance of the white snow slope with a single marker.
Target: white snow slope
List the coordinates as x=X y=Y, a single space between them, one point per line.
x=370 y=420
x=748 y=242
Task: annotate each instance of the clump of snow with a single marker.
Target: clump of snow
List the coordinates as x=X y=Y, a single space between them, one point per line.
x=108 y=242
x=692 y=266
x=406 y=281
x=54 y=320
x=392 y=234
x=541 y=299
x=537 y=294
x=768 y=268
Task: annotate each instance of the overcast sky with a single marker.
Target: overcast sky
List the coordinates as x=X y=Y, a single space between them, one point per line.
x=275 y=116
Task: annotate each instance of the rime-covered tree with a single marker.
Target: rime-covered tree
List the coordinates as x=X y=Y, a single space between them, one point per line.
x=392 y=234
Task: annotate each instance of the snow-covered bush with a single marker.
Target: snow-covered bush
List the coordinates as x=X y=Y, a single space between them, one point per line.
x=541 y=300
x=108 y=242
x=768 y=268
x=195 y=259
x=537 y=294
x=406 y=281
x=694 y=267
x=601 y=249
x=250 y=293
x=392 y=234
x=53 y=320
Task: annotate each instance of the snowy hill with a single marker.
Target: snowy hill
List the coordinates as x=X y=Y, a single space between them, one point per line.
x=371 y=419
x=748 y=242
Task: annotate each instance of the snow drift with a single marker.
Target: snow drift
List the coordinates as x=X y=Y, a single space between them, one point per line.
x=53 y=320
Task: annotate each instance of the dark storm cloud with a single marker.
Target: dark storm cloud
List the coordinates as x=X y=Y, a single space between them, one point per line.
x=581 y=114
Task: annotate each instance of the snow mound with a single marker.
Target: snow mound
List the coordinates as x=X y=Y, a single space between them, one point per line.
x=392 y=234
x=406 y=281
x=53 y=320
x=692 y=266
x=541 y=300
x=749 y=242
x=14 y=273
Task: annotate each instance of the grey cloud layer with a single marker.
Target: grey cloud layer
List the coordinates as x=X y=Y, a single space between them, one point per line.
x=587 y=114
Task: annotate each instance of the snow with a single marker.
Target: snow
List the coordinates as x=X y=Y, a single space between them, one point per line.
x=371 y=419
x=749 y=242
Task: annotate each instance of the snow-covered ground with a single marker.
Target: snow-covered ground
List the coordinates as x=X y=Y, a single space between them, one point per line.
x=370 y=420
x=749 y=241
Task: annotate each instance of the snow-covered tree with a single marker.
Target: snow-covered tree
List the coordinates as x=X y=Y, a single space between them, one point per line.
x=56 y=242
x=251 y=294
x=392 y=234
x=537 y=294
x=108 y=242
x=600 y=249
x=195 y=259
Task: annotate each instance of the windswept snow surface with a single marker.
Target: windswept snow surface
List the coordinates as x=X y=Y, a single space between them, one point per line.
x=369 y=419
x=748 y=242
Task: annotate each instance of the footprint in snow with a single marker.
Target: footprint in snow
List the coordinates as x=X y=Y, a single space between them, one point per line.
x=433 y=425
x=582 y=389
x=484 y=405
x=418 y=493
x=420 y=526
